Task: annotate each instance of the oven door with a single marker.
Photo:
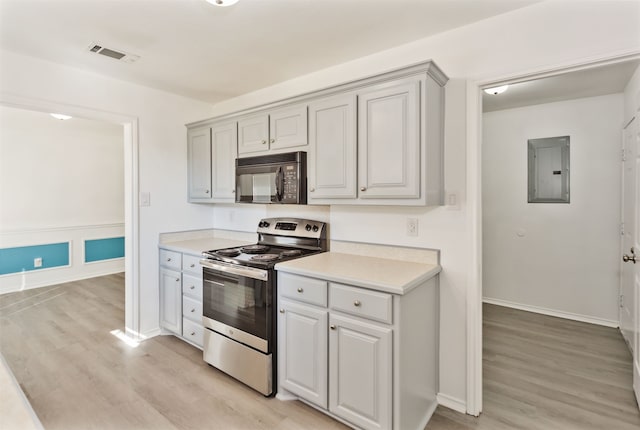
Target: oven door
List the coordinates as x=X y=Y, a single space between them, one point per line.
x=237 y=303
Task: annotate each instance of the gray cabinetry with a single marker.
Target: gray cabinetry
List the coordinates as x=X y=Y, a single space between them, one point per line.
x=181 y=295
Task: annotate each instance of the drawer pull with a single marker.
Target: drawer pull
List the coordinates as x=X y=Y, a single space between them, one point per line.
x=193 y=287
x=193 y=333
x=281 y=311
x=356 y=303
x=332 y=327
x=192 y=265
x=300 y=290
x=193 y=310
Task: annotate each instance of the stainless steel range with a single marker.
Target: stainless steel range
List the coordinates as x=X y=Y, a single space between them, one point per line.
x=239 y=292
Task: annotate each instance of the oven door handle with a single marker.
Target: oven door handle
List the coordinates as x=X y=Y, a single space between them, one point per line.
x=249 y=272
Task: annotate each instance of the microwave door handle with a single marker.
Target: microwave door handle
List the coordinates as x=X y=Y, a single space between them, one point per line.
x=279 y=184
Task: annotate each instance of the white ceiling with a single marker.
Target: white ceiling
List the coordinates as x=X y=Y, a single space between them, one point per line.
x=201 y=51
x=597 y=81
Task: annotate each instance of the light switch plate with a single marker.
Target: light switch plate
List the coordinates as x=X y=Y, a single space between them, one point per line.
x=145 y=198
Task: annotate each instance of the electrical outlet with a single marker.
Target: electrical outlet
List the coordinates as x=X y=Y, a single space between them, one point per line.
x=412 y=226
x=37 y=262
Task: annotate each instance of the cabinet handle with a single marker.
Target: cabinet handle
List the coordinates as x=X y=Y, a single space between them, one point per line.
x=177 y=279
x=356 y=303
x=206 y=192
x=312 y=189
x=300 y=290
x=233 y=191
x=192 y=265
x=193 y=333
x=192 y=287
x=332 y=327
x=264 y=142
x=168 y=259
x=363 y=188
x=272 y=140
x=281 y=311
x=193 y=310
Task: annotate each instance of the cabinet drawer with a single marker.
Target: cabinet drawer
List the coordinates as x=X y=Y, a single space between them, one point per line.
x=170 y=259
x=192 y=286
x=191 y=263
x=303 y=289
x=192 y=309
x=192 y=331
x=363 y=303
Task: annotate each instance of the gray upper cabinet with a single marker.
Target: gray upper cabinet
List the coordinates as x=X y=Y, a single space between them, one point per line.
x=224 y=142
x=253 y=134
x=374 y=141
x=389 y=140
x=333 y=155
x=269 y=132
x=199 y=161
x=212 y=151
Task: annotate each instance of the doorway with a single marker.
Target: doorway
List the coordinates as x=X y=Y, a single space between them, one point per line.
x=131 y=212
x=533 y=221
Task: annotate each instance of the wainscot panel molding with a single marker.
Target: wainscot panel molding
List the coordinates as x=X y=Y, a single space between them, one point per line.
x=105 y=255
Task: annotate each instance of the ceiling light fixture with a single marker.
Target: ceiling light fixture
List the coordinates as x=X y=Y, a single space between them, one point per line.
x=60 y=116
x=222 y=3
x=496 y=90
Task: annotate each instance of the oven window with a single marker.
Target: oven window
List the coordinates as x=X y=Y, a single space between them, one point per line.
x=237 y=301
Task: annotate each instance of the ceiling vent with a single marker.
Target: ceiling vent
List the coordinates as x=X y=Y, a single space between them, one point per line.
x=112 y=53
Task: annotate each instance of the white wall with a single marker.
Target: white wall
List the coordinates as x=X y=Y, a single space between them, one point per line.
x=554 y=257
x=57 y=173
x=162 y=149
x=475 y=52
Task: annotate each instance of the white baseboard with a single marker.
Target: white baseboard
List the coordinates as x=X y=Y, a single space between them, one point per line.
x=452 y=403
x=552 y=312
x=17 y=283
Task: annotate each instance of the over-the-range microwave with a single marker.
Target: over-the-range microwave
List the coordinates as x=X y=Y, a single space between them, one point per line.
x=277 y=178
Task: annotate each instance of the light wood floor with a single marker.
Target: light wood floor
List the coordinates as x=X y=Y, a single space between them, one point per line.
x=540 y=372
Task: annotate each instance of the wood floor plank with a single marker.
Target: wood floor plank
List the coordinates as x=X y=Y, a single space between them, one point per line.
x=539 y=372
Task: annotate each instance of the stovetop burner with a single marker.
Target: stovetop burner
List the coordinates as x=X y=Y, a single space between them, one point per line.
x=232 y=252
x=254 y=249
x=265 y=257
x=291 y=253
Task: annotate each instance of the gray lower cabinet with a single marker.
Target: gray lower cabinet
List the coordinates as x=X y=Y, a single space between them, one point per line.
x=181 y=295
x=366 y=357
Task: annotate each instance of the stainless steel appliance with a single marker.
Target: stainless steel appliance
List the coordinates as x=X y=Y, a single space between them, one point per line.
x=239 y=292
x=277 y=178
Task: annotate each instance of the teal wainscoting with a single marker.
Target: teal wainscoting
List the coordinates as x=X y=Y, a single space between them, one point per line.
x=103 y=249
x=19 y=259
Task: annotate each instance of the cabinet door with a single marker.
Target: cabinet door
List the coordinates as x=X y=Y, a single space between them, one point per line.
x=302 y=351
x=171 y=300
x=199 y=163
x=389 y=140
x=253 y=134
x=360 y=373
x=288 y=127
x=224 y=141
x=332 y=135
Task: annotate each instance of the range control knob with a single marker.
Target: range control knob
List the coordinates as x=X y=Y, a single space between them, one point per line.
x=265 y=224
x=315 y=228
x=307 y=227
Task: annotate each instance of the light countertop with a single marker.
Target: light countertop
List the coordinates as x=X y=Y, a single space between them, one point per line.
x=381 y=274
x=197 y=246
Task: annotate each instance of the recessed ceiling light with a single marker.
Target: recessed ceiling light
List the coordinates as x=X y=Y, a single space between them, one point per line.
x=222 y=2
x=60 y=116
x=496 y=90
